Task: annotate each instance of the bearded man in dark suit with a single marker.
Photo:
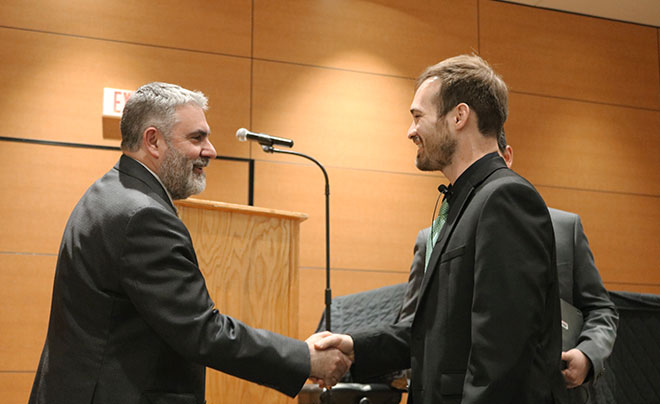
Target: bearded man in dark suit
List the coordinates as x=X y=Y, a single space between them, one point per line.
x=487 y=322
x=580 y=284
x=131 y=319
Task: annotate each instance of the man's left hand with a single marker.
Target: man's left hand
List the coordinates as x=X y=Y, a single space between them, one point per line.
x=577 y=367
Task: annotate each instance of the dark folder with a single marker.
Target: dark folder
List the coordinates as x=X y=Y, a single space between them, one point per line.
x=571 y=325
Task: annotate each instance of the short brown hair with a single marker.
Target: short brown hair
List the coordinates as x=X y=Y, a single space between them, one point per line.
x=501 y=141
x=469 y=79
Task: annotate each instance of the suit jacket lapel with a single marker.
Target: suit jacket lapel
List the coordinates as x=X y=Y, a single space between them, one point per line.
x=132 y=167
x=457 y=207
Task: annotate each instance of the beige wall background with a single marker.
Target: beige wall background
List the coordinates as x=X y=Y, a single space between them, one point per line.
x=337 y=77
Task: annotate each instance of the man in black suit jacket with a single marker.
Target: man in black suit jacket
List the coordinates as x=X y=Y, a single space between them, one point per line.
x=579 y=284
x=131 y=319
x=487 y=325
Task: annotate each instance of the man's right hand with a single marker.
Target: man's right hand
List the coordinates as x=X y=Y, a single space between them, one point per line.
x=578 y=366
x=329 y=364
x=343 y=342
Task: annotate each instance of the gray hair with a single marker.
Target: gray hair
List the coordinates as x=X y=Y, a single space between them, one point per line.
x=154 y=104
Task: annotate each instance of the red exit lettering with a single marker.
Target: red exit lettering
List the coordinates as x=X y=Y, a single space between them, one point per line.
x=120 y=98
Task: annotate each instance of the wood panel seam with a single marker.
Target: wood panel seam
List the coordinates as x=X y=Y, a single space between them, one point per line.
x=28 y=253
x=119 y=41
x=252 y=59
x=631 y=283
x=77 y=36
x=315 y=268
x=340 y=69
x=601 y=191
x=584 y=101
x=657 y=40
x=17 y=371
x=519 y=4
x=361 y=169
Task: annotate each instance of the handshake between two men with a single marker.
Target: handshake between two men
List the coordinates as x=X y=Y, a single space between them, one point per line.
x=331 y=355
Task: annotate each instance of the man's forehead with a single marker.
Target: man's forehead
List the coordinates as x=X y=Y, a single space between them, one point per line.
x=189 y=112
x=190 y=121
x=188 y=108
x=429 y=86
x=424 y=94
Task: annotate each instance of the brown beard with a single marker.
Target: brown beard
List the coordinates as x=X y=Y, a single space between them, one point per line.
x=440 y=154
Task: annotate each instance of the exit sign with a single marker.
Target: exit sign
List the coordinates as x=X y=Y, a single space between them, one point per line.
x=114 y=100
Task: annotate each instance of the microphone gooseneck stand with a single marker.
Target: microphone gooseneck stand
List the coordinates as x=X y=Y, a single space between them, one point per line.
x=268 y=148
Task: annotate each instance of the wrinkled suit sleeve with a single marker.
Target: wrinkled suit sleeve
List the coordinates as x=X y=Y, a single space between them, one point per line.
x=160 y=275
x=415 y=278
x=600 y=315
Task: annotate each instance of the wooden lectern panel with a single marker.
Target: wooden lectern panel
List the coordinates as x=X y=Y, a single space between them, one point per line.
x=249 y=257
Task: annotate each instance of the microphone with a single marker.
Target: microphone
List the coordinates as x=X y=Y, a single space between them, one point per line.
x=265 y=140
x=446 y=191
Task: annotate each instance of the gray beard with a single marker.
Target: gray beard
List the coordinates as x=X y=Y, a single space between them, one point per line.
x=177 y=174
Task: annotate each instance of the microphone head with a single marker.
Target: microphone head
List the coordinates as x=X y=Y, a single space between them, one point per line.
x=241 y=134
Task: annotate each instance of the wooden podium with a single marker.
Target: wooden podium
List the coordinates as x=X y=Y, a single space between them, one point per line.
x=249 y=257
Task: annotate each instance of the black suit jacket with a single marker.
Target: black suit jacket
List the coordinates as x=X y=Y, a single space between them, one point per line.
x=131 y=319
x=579 y=284
x=487 y=326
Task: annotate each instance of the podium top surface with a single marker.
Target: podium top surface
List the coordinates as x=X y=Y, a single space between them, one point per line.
x=245 y=209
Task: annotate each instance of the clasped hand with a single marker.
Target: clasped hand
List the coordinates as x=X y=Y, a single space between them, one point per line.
x=577 y=367
x=331 y=356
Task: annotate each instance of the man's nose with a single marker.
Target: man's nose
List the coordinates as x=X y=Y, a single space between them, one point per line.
x=208 y=150
x=411 y=131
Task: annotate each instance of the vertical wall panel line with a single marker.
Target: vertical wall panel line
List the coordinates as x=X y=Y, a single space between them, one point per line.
x=251 y=72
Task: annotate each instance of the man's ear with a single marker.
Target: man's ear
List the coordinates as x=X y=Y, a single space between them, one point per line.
x=152 y=142
x=461 y=115
x=508 y=156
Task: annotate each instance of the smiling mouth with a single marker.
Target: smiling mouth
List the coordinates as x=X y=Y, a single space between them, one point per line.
x=199 y=168
x=199 y=165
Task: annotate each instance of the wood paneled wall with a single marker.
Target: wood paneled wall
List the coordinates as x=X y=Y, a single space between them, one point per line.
x=337 y=77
